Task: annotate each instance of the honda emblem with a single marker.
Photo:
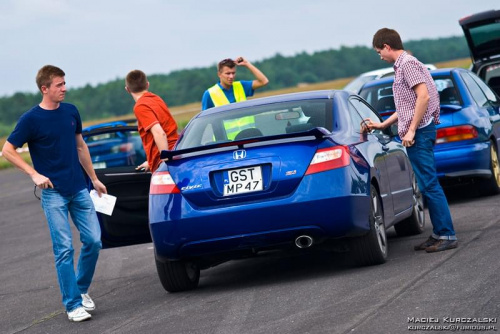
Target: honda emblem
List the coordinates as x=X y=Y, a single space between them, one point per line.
x=239 y=154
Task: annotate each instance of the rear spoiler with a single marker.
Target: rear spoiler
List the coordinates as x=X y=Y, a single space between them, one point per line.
x=447 y=108
x=313 y=134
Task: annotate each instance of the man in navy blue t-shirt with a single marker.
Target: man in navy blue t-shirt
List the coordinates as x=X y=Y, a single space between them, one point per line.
x=53 y=131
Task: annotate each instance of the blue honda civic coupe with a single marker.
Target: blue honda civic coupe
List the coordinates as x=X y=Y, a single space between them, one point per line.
x=285 y=172
x=468 y=137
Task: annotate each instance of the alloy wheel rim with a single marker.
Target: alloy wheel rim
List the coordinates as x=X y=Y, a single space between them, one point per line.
x=418 y=203
x=379 y=225
x=494 y=165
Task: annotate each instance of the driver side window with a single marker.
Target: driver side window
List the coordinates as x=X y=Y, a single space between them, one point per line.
x=360 y=111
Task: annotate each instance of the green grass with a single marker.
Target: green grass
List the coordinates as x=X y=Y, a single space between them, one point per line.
x=5 y=164
x=183 y=114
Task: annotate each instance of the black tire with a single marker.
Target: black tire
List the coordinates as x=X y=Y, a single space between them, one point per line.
x=491 y=186
x=178 y=276
x=372 y=248
x=415 y=224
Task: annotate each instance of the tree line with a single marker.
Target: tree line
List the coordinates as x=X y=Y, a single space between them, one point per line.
x=187 y=85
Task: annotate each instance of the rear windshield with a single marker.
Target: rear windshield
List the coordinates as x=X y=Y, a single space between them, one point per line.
x=268 y=120
x=381 y=97
x=486 y=36
x=357 y=83
x=115 y=149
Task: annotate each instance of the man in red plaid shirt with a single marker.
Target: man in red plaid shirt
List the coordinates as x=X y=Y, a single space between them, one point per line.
x=417 y=112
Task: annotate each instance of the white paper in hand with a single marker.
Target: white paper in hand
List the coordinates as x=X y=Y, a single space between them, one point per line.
x=104 y=204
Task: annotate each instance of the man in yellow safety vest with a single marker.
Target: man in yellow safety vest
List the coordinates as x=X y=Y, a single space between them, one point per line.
x=227 y=90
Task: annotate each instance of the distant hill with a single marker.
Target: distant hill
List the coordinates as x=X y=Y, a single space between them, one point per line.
x=183 y=87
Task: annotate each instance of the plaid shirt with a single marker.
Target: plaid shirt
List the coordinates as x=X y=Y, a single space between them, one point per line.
x=409 y=72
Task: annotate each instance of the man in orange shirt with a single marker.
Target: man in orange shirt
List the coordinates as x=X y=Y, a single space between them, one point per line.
x=156 y=125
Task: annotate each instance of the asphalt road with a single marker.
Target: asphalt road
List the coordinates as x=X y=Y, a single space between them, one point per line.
x=316 y=292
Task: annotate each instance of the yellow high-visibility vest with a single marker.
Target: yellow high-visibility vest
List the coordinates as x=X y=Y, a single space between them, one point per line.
x=232 y=127
x=219 y=98
x=235 y=126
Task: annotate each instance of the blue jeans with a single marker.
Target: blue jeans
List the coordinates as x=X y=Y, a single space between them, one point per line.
x=421 y=155
x=81 y=209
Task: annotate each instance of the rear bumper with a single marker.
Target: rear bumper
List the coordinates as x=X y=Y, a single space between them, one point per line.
x=463 y=161
x=180 y=231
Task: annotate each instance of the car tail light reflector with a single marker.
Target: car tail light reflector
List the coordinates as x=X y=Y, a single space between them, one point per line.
x=455 y=133
x=329 y=158
x=162 y=183
x=127 y=147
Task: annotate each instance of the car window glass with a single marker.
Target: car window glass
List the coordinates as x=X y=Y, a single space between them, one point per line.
x=115 y=149
x=355 y=118
x=380 y=98
x=369 y=94
x=476 y=92
x=268 y=120
x=357 y=83
x=491 y=75
x=448 y=94
x=208 y=136
x=485 y=36
x=486 y=90
x=360 y=112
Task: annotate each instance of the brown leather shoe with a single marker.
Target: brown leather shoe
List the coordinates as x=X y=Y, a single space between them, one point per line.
x=442 y=245
x=427 y=243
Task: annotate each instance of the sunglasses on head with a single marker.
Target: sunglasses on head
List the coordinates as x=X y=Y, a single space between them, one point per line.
x=226 y=61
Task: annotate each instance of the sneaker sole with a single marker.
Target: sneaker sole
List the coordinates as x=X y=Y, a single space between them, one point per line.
x=419 y=248
x=422 y=246
x=80 y=319
x=88 y=309
x=440 y=250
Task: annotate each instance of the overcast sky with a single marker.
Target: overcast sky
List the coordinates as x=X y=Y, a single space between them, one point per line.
x=98 y=41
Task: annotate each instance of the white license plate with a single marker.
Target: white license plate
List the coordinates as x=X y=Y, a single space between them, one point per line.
x=243 y=180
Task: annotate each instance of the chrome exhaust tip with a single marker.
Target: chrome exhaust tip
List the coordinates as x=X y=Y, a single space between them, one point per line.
x=304 y=241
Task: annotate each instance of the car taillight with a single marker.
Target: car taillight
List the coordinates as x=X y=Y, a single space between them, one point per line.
x=329 y=158
x=455 y=133
x=127 y=147
x=162 y=183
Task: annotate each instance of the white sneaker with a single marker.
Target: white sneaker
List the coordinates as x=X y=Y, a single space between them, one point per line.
x=87 y=302
x=78 y=314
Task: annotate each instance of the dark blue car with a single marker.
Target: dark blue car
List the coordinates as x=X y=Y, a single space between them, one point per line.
x=285 y=172
x=114 y=144
x=469 y=134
